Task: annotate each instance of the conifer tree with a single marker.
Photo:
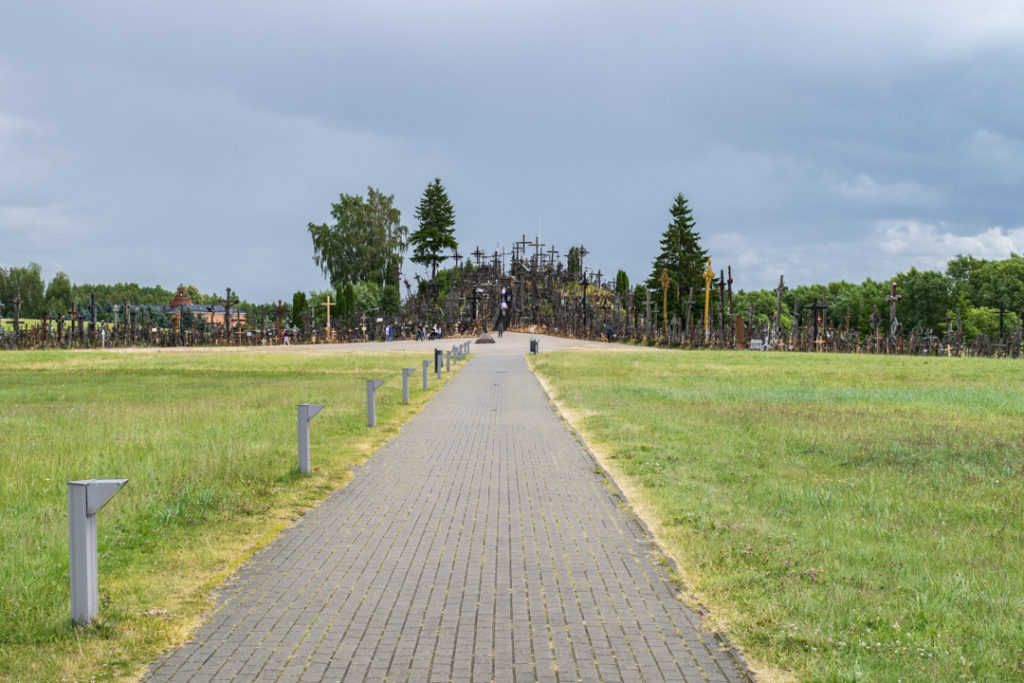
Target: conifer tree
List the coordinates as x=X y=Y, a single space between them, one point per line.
x=436 y=232
x=681 y=255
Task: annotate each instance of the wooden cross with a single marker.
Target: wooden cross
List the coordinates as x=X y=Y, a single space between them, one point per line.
x=729 y=282
x=478 y=255
x=665 y=281
x=228 y=303
x=457 y=256
x=328 y=304
x=782 y=288
x=280 y=311
x=709 y=275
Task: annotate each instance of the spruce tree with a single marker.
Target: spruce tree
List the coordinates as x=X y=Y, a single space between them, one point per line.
x=436 y=232
x=682 y=256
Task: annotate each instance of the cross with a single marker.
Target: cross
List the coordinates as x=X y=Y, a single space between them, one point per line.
x=875 y=320
x=328 y=304
x=892 y=298
x=689 y=303
x=816 y=309
x=280 y=311
x=478 y=255
x=778 y=293
x=457 y=256
x=709 y=275
x=519 y=248
x=721 y=301
x=228 y=303
x=553 y=255
x=729 y=282
x=665 y=281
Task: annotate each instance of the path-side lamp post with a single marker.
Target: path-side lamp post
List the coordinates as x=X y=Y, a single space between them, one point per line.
x=438 y=361
x=426 y=367
x=371 y=401
x=85 y=498
x=306 y=412
x=405 y=383
x=447 y=361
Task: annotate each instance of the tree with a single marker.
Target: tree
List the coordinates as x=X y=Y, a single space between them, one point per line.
x=621 y=282
x=26 y=283
x=681 y=255
x=299 y=304
x=926 y=299
x=391 y=300
x=58 y=294
x=365 y=243
x=435 y=234
x=573 y=261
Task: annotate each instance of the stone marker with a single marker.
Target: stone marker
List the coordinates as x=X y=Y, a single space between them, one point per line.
x=371 y=401
x=85 y=498
x=405 y=383
x=305 y=413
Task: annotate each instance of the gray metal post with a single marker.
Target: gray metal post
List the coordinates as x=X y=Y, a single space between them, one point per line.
x=405 y=383
x=306 y=412
x=371 y=401
x=85 y=498
x=426 y=365
x=447 y=361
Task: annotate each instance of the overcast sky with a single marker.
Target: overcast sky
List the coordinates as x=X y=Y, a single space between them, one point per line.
x=192 y=142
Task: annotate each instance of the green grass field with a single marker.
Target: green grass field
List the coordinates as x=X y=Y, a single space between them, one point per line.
x=208 y=442
x=843 y=517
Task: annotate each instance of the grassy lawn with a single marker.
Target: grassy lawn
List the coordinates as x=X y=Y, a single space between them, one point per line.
x=843 y=517
x=208 y=443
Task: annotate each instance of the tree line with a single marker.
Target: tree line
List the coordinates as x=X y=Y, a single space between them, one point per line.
x=986 y=296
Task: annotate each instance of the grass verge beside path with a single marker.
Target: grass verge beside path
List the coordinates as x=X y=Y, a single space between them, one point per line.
x=842 y=517
x=208 y=443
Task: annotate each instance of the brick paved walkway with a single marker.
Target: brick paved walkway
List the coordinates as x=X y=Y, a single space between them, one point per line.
x=479 y=544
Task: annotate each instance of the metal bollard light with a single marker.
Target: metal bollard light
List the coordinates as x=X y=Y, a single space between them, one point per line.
x=85 y=498
x=438 y=362
x=305 y=413
x=426 y=366
x=447 y=361
x=371 y=401
x=405 y=383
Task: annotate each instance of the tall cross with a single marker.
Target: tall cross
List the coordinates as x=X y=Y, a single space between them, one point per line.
x=553 y=255
x=229 y=301
x=280 y=311
x=779 y=291
x=478 y=255
x=709 y=275
x=892 y=298
x=328 y=305
x=665 y=281
x=457 y=256
x=721 y=302
x=729 y=282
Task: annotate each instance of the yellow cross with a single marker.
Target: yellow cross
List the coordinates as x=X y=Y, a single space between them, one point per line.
x=709 y=275
x=328 y=305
